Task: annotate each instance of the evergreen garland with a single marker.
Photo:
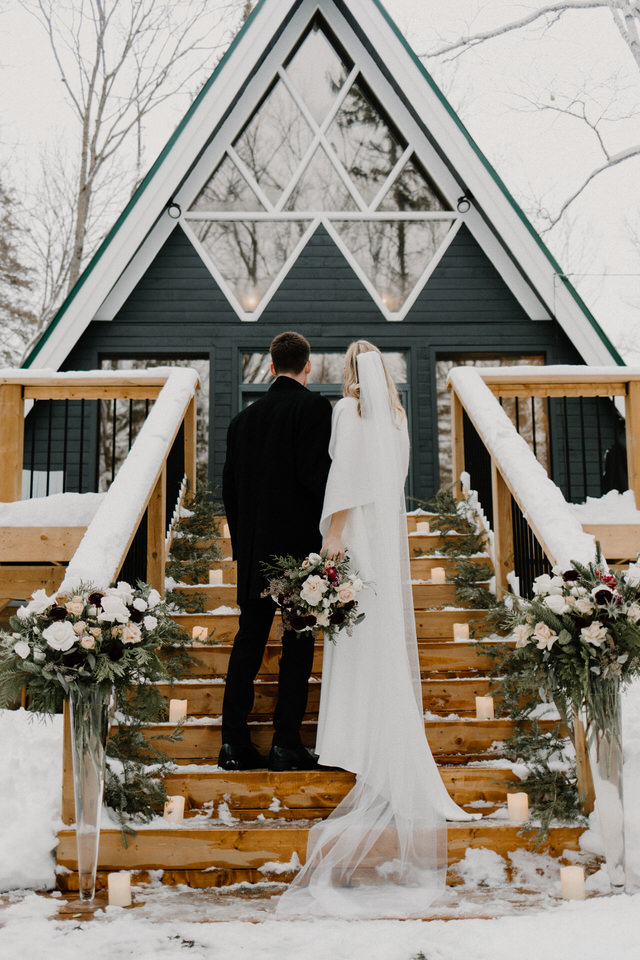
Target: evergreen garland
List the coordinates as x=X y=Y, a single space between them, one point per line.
x=194 y=548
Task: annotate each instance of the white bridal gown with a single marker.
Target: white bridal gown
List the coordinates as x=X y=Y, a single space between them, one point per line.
x=383 y=851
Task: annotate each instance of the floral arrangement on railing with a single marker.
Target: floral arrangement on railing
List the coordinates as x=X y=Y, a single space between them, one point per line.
x=317 y=593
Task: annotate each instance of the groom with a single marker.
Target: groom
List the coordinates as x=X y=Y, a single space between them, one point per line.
x=273 y=488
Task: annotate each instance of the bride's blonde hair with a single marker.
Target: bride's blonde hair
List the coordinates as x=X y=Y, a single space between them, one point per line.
x=351 y=386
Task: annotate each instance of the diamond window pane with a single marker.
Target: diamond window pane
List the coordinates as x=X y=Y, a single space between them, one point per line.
x=249 y=254
x=320 y=187
x=227 y=190
x=318 y=73
x=365 y=142
x=412 y=190
x=274 y=141
x=325 y=367
x=393 y=253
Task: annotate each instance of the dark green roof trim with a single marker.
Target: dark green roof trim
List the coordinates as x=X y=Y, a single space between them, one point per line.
x=500 y=183
x=86 y=273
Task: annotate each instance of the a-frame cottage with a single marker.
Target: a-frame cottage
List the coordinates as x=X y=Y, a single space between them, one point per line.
x=321 y=182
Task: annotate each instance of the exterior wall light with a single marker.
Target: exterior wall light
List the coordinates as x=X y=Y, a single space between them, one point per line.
x=174 y=211
x=464 y=203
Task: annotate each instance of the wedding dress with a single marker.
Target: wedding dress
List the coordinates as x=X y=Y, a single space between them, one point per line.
x=383 y=851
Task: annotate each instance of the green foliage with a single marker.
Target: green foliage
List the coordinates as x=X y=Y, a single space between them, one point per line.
x=193 y=549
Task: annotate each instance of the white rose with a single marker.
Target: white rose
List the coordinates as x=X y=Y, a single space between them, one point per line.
x=153 y=599
x=522 y=633
x=22 y=648
x=545 y=584
x=122 y=590
x=544 y=636
x=357 y=585
x=22 y=613
x=556 y=604
x=632 y=574
x=75 y=606
x=39 y=655
x=595 y=633
x=314 y=558
x=313 y=590
x=79 y=627
x=583 y=606
x=113 y=609
x=345 y=592
x=131 y=633
x=40 y=602
x=150 y=623
x=634 y=612
x=322 y=620
x=60 y=636
x=139 y=604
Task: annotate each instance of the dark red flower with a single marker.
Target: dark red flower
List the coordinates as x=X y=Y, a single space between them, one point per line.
x=135 y=615
x=607 y=579
x=603 y=595
x=96 y=598
x=57 y=613
x=332 y=575
x=570 y=575
x=337 y=618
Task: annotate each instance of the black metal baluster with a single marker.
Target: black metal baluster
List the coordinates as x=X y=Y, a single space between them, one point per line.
x=113 y=441
x=49 y=415
x=533 y=427
x=81 y=470
x=598 y=401
x=65 y=445
x=32 y=467
x=566 y=446
x=517 y=407
x=583 y=440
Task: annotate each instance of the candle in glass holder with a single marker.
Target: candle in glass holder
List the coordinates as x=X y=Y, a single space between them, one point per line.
x=177 y=710
x=215 y=577
x=174 y=809
x=225 y=531
x=484 y=708
x=438 y=575
x=119 y=886
x=200 y=633
x=518 y=807
x=461 y=631
x=422 y=527
x=572 y=881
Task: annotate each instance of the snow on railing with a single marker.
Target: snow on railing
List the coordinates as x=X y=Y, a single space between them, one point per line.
x=542 y=503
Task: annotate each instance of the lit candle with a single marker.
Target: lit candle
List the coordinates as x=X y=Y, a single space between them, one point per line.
x=461 y=631
x=177 y=710
x=518 y=807
x=438 y=575
x=200 y=633
x=119 y=885
x=225 y=531
x=174 y=809
x=484 y=708
x=423 y=527
x=572 y=881
x=215 y=577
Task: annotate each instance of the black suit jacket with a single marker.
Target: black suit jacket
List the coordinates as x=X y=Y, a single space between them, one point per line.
x=274 y=478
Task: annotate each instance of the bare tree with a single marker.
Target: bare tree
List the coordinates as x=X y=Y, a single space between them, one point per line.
x=15 y=284
x=119 y=60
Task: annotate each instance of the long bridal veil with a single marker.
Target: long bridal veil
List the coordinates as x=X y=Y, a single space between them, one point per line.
x=382 y=851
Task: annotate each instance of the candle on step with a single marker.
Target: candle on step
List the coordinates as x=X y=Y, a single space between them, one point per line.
x=199 y=633
x=119 y=886
x=177 y=710
x=422 y=527
x=572 y=881
x=438 y=575
x=174 y=809
x=484 y=708
x=518 y=807
x=215 y=577
x=225 y=531
x=461 y=631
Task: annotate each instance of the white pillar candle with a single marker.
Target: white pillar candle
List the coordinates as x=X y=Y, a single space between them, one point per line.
x=174 y=809
x=225 y=531
x=484 y=708
x=200 y=633
x=215 y=577
x=572 y=881
x=438 y=575
x=422 y=527
x=119 y=885
x=177 y=710
x=518 y=807
x=461 y=631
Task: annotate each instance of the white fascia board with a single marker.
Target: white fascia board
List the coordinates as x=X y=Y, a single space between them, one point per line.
x=150 y=205
x=480 y=182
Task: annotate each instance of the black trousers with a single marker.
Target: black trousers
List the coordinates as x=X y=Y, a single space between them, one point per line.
x=256 y=617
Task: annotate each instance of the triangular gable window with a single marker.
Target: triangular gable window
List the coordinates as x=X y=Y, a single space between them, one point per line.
x=320 y=187
x=318 y=71
x=413 y=190
x=226 y=190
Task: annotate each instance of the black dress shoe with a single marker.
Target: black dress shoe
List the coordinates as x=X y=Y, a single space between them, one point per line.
x=292 y=758
x=244 y=757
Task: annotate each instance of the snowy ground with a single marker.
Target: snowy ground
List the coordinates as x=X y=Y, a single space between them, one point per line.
x=522 y=894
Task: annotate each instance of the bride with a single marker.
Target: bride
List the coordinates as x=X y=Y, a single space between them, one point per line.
x=383 y=851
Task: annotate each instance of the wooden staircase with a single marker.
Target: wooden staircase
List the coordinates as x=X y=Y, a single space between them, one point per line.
x=246 y=826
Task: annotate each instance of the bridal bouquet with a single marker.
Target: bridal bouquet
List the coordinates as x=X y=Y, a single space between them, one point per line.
x=86 y=637
x=318 y=592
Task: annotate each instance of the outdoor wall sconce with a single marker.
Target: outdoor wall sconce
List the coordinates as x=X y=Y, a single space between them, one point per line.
x=174 y=211
x=464 y=203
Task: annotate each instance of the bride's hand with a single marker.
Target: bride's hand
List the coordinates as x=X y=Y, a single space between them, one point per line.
x=334 y=546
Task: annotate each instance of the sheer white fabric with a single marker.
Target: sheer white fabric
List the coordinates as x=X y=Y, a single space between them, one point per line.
x=382 y=852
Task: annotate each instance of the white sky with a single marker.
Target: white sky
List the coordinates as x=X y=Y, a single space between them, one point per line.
x=539 y=154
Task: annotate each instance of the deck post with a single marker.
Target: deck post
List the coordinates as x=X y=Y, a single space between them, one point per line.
x=502 y=528
x=586 y=789
x=457 y=442
x=11 y=441
x=190 y=445
x=632 y=429
x=156 y=522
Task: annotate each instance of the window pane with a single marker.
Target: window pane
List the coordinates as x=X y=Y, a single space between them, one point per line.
x=393 y=254
x=318 y=73
x=249 y=254
x=274 y=141
x=227 y=190
x=365 y=142
x=325 y=367
x=413 y=190
x=320 y=187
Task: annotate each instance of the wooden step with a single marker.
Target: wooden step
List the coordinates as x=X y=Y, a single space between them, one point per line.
x=465 y=737
x=438 y=696
x=19 y=581
x=419 y=544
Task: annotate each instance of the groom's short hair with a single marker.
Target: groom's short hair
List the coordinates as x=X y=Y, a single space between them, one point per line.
x=289 y=352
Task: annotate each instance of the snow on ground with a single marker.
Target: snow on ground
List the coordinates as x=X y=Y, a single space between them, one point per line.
x=613 y=507
x=58 y=510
